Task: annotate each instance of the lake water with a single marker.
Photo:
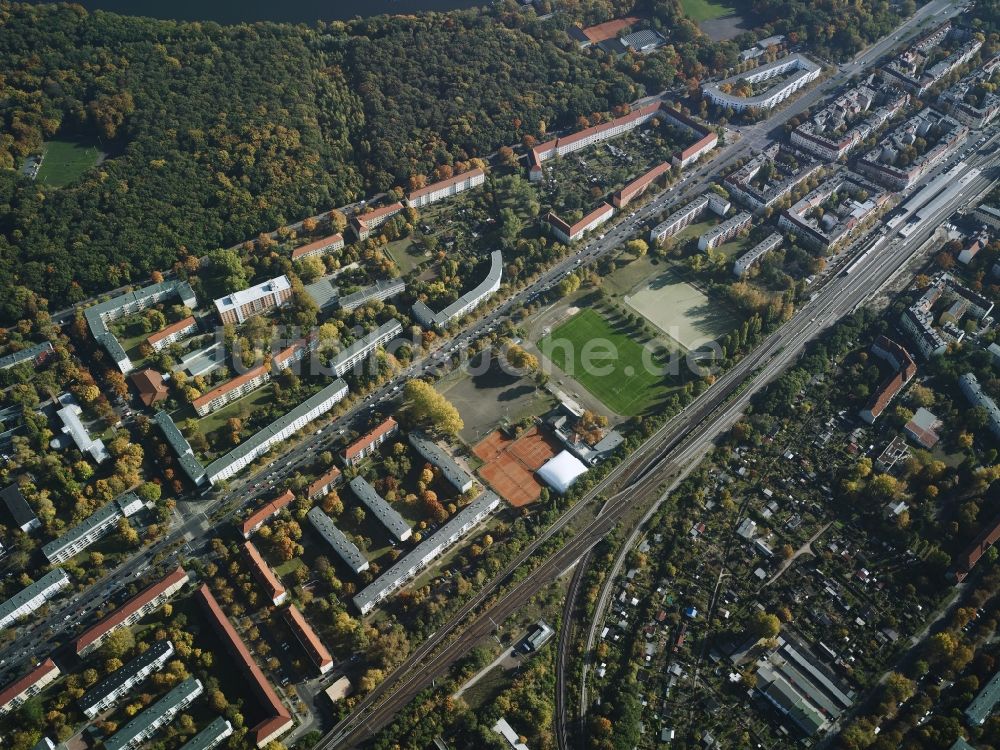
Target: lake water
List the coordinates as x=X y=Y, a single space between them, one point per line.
x=295 y=11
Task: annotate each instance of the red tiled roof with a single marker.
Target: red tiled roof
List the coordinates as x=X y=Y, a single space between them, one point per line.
x=137 y=602
x=150 y=385
x=266 y=512
x=363 y=442
x=229 y=385
x=287 y=352
x=446 y=183
x=568 y=230
x=263 y=571
x=269 y=699
x=888 y=390
x=601 y=127
x=966 y=561
x=317 y=651
x=640 y=183
x=19 y=686
x=696 y=147
x=363 y=219
x=331 y=476
x=180 y=325
x=317 y=245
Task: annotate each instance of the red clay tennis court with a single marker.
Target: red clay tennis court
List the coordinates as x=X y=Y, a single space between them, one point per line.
x=509 y=466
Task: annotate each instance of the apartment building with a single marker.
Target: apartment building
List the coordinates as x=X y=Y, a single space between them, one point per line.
x=964 y=562
x=357 y=352
x=722 y=233
x=346 y=549
x=291 y=355
x=426 y=552
x=910 y=71
x=232 y=389
x=639 y=185
x=150 y=386
x=277 y=720
x=974 y=392
x=160 y=714
x=209 y=737
x=688 y=214
x=36 y=354
x=98 y=316
x=890 y=163
x=95 y=526
x=32 y=596
x=239 y=306
x=265 y=513
x=769 y=177
x=367 y=444
x=904 y=369
x=800 y=71
x=834 y=131
x=20 y=512
x=145 y=602
x=446 y=188
x=569 y=233
x=458 y=477
x=837 y=225
x=386 y=515
x=280 y=429
x=308 y=639
x=970 y=101
x=467 y=302
x=324 y=484
x=364 y=224
x=705 y=138
x=107 y=692
x=381 y=290
x=745 y=262
x=319 y=247
x=265 y=576
x=20 y=691
x=186 y=459
x=174 y=332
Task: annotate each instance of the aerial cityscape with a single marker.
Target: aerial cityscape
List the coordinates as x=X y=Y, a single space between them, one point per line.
x=535 y=375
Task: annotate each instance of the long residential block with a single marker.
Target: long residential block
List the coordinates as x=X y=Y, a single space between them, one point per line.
x=364 y=224
x=381 y=290
x=33 y=596
x=264 y=575
x=319 y=247
x=368 y=443
x=639 y=185
x=232 y=390
x=800 y=72
x=722 y=233
x=88 y=531
x=427 y=551
x=459 y=478
x=346 y=360
x=14 y=695
x=346 y=549
x=217 y=730
x=174 y=332
x=745 y=262
x=568 y=233
x=689 y=214
x=266 y=512
x=467 y=302
x=267 y=295
x=324 y=484
x=36 y=354
x=446 y=188
x=159 y=715
x=308 y=639
x=388 y=516
x=278 y=720
x=145 y=602
x=106 y=693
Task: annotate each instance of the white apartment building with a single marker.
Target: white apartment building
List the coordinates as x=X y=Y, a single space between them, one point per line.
x=106 y=693
x=364 y=224
x=26 y=688
x=88 y=531
x=380 y=290
x=210 y=736
x=746 y=261
x=446 y=188
x=346 y=549
x=425 y=552
x=231 y=390
x=159 y=715
x=803 y=72
x=725 y=231
x=346 y=360
x=179 y=330
x=388 y=516
x=238 y=306
x=33 y=596
x=688 y=214
x=467 y=302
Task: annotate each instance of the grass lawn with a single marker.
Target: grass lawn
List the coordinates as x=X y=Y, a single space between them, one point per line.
x=405 y=254
x=65 y=161
x=706 y=10
x=615 y=371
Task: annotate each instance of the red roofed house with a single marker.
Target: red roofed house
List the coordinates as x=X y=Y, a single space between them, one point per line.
x=364 y=446
x=264 y=575
x=571 y=233
x=309 y=640
x=172 y=333
x=364 y=224
x=20 y=691
x=277 y=720
x=446 y=188
x=965 y=562
x=639 y=185
x=322 y=486
x=258 y=519
x=231 y=390
x=146 y=601
x=333 y=242
x=905 y=368
x=149 y=384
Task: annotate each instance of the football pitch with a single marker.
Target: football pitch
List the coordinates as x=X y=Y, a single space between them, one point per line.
x=609 y=364
x=706 y=10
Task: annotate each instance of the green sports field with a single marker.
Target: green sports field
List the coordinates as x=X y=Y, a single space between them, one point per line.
x=617 y=372
x=706 y=10
x=65 y=161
